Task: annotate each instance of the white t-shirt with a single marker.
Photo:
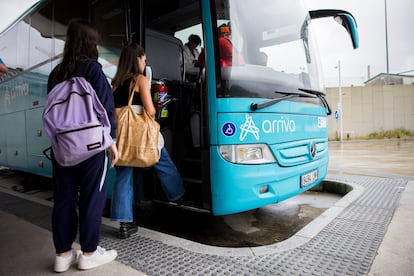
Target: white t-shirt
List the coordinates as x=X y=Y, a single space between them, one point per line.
x=189 y=60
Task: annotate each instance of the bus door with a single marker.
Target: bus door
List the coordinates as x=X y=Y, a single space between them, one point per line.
x=178 y=97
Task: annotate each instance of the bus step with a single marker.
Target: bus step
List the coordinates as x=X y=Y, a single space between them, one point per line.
x=192 y=160
x=185 y=207
x=192 y=180
x=191 y=168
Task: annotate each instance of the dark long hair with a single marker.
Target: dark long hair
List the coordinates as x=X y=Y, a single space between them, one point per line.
x=128 y=64
x=81 y=42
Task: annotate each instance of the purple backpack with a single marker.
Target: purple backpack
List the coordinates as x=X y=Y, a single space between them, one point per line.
x=75 y=121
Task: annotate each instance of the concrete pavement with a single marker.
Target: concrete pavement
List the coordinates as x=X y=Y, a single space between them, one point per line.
x=27 y=248
x=395 y=256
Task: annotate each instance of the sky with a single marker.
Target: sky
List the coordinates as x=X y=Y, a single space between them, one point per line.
x=370 y=59
x=357 y=66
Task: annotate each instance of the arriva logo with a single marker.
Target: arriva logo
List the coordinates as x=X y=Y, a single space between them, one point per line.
x=278 y=126
x=249 y=127
x=12 y=93
x=268 y=126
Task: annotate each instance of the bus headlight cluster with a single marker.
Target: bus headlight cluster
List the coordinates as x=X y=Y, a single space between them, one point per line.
x=247 y=154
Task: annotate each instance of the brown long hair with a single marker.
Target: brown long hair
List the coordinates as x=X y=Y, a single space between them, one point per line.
x=82 y=40
x=127 y=64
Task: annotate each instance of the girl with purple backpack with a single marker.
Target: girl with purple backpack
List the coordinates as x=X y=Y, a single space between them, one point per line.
x=83 y=183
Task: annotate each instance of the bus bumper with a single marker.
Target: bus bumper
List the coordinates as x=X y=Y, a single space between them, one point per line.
x=237 y=188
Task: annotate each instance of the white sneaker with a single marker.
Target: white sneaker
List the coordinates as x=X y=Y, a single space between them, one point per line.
x=62 y=263
x=99 y=257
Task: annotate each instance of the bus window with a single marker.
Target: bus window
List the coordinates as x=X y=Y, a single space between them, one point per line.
x=109 y=19
x=185 y=33
x=282 y=35
x=191 y=56
x=46 y=36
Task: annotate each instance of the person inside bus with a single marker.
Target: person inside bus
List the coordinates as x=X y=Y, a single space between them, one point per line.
x=191 y=54
x=3 y=68
x=83 y=185
x=131 y=66
x=229 y=56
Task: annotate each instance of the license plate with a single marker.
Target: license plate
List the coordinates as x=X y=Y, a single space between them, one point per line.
x=308 y=178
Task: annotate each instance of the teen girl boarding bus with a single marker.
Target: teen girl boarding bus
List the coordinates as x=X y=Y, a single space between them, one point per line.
x=243 y=134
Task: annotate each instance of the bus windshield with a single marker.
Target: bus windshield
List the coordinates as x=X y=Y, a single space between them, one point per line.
x=272 y=53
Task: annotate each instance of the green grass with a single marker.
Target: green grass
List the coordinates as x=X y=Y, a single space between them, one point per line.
x=389 y=134
x=398 y=133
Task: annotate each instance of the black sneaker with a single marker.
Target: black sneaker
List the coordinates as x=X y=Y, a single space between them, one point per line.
x=126 y=229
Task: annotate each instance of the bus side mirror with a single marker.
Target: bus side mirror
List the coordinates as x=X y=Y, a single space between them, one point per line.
x=344 y=18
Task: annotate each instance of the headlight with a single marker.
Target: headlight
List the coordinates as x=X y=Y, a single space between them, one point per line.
x=247 y=154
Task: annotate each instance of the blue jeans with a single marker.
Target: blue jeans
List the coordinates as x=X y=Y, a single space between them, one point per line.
x=123 y=192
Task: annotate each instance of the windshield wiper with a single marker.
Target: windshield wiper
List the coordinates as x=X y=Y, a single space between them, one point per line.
x=321 y=96
x=313 y=92
x=288 y=95
x=256 y=106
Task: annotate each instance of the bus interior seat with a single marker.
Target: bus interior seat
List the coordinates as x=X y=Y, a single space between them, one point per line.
x=164 y=55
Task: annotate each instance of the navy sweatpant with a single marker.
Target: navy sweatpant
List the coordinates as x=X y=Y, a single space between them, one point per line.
x=83 y=184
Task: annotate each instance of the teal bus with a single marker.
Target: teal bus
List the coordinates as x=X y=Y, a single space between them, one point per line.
x=243 y=135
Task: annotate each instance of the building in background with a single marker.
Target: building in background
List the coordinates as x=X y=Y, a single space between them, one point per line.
x=390 y=79
x=374 y=107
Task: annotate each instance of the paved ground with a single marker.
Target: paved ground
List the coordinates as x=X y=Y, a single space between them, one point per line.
x=389 y=157
x=392 y=159
x=368 y=232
